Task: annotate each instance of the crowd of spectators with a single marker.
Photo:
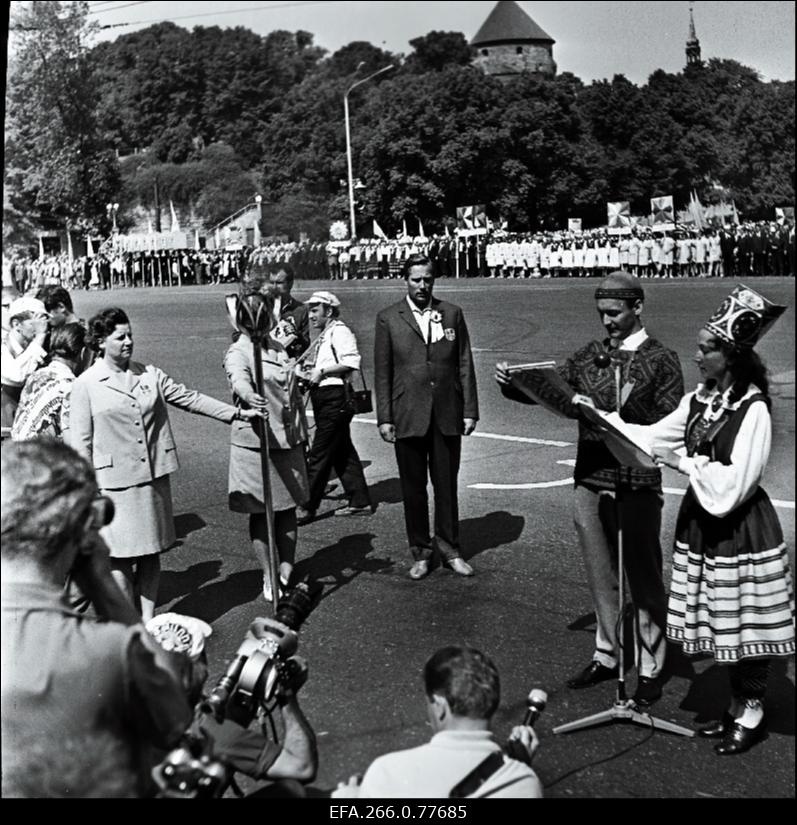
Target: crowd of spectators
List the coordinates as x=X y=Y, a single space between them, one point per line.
x=744 y=251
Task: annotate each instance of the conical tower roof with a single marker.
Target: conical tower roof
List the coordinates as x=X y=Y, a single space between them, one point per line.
x=508 y=22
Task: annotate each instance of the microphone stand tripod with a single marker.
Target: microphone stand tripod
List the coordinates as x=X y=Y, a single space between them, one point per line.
x=623 y=709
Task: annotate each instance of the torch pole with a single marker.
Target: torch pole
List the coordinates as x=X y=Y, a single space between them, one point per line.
x=273 y=558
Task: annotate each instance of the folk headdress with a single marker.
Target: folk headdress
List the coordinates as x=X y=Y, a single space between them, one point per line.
x=620 y=286
x=744 y=318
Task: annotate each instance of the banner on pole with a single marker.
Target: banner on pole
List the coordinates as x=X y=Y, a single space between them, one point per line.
x=472 y=220
x=619 y=214
x=574 y=224
x=662 y=212
x=783 y=214
x=379 y=232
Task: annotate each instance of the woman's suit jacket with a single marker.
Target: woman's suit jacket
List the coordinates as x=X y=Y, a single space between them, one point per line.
x=126 y=436
x=287 y=425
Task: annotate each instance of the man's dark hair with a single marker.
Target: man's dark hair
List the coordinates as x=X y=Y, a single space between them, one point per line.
x=47 y=491
x=466 y=678
x=51 y=296
x=276 y=268
x=103 y=324
x=416 y=260
x=68 y=341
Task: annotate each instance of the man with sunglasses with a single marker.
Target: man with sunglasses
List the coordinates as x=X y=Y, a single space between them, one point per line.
x=65 y=674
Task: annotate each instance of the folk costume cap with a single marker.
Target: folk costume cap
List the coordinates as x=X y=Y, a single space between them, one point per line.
x=744 y=317
x=621 y=286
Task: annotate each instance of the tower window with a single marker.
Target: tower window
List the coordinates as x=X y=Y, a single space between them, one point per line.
x=485 y=52
x=520 y=49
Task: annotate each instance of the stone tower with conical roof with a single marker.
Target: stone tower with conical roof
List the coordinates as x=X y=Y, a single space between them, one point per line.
x=510 y=43
x=693 y=57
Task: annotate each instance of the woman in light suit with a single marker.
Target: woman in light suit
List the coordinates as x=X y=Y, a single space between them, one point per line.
x=120 y=424
x=287 y=434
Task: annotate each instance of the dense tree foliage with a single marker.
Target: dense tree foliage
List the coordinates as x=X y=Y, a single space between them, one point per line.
x=221 y=113
x=59 y=167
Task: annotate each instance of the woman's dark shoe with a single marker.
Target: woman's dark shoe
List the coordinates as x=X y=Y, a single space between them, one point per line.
x=739 y=739
x=718 y=728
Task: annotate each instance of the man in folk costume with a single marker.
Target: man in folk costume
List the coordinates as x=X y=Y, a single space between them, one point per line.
x=651 y=385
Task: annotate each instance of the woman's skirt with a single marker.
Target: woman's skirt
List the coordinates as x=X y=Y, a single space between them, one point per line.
x=731 y=593
x=143 y=522
x=287 y=477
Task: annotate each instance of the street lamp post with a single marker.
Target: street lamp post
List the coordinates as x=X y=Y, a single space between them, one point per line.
x=112 y=209
x=348 y=142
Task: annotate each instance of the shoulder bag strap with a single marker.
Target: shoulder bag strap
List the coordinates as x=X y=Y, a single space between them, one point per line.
x=337 y=361
x=478 y=776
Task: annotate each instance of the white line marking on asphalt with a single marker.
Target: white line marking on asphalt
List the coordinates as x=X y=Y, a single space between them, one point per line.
x=542 y=442
x=568 y=462
x=544 y=485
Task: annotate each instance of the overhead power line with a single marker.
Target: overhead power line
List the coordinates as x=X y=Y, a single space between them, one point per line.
x=210 y=14
x=117 y=8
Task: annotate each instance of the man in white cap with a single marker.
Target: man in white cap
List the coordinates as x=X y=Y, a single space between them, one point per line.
x=22 y=352
x=328 y=369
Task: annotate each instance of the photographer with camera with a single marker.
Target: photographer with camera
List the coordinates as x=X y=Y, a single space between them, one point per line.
x=463 y=758
x=261 y=682
x=66 y=675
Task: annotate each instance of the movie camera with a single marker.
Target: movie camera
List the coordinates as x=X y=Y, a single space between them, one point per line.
x=263 y=667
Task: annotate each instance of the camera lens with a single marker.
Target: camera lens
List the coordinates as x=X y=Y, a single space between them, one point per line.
x=297 y=605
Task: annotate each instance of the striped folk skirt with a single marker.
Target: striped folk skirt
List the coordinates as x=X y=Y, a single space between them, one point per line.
x=731 y=593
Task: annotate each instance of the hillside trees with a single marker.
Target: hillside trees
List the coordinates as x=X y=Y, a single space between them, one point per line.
x=59 y=166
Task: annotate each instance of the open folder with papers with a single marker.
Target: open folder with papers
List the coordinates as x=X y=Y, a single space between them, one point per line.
x=542 y=384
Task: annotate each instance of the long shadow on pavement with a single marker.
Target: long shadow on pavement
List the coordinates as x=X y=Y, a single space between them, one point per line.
x=489 y=531
x=210 y=601
x=341 y=563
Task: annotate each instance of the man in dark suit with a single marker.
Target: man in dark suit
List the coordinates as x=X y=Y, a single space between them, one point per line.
x=426 y=401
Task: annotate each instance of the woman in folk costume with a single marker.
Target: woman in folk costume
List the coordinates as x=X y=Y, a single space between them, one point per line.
x=731 y=592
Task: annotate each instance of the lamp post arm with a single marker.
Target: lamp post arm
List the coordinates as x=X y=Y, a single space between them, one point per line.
x=352 y=218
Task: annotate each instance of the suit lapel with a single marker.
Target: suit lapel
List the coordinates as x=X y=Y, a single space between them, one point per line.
x=105 y=376
x=408 y=316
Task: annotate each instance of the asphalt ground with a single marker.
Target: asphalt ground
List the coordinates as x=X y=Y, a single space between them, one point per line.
x=528 y=606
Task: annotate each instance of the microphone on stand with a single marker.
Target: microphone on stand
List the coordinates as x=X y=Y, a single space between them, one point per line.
x=535 y=705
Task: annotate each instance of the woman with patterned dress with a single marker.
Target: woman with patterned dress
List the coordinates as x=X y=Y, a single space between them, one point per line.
x=43 y=410
x=731 y=593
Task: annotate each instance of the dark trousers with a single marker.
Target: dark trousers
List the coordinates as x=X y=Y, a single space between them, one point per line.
x=437 y=456
x=332 y=447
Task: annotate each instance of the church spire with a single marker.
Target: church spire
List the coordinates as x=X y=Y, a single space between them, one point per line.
x=692 y=44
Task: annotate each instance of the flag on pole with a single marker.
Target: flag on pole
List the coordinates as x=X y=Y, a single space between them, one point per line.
x=421 y=233
x=218 y=238
x=175 y=222
x=89 y=248
x=404 y=233
x=196 y=240
x=448 y=234
x=69 y=250
x=257 y=237
x=379 y=232
x=783 y=214
x=41 y=248
x=696 y=210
